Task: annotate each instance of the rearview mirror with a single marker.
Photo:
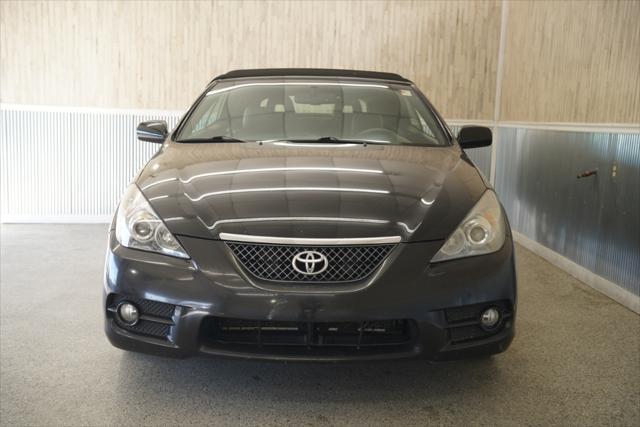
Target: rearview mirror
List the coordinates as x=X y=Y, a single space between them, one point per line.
x=155 y=131
x=474 y=137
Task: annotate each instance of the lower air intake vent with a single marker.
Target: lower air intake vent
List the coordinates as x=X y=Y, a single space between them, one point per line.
x=385 y=334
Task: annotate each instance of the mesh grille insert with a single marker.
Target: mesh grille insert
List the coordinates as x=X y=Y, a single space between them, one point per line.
x=155 y=316
x=275 y=262
x=146 y=306
x=464 y=322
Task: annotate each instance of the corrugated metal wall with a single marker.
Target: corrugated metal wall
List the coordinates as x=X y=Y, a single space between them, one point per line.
x=66 y=165
x=593 y=221
x=69 y=164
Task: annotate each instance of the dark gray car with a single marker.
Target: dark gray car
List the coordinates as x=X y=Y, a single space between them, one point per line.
x=300 y=214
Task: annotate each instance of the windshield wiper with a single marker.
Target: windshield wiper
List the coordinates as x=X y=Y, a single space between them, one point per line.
x=217 y=138
x=332 y=140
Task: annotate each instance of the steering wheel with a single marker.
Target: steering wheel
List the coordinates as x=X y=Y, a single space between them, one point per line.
x=380 y=134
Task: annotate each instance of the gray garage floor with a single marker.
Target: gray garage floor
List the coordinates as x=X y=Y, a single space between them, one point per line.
x=575 y=361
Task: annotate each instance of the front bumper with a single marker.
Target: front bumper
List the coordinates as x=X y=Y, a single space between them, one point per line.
x=438 y=304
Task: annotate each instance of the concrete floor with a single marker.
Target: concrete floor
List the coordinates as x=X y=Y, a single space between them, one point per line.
x=575 y=361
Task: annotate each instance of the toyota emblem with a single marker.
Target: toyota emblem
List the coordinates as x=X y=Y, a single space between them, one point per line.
x=310 y=263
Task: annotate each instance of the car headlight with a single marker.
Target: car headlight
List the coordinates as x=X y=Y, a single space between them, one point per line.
x=481 y=232
x=139 y=227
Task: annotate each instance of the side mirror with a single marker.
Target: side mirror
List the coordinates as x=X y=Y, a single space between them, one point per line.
x=155 y=131
x=474 y=137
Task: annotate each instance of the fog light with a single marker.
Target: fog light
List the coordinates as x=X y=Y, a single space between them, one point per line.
x=490 y=318
x=128 y=313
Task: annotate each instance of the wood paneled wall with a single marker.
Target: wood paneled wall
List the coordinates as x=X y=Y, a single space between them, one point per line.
x=572 y=61
x=161 y=54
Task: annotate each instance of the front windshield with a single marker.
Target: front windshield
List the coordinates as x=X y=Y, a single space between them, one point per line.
x=308 y=110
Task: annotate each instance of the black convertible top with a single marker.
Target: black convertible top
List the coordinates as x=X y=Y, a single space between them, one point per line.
x=311 y=72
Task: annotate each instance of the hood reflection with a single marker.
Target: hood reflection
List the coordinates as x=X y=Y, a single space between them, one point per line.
x=296 y=218
x=281 y=189
x=418 y=193
x=290 y=169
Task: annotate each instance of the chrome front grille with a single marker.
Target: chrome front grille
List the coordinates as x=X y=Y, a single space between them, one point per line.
x=343 y=263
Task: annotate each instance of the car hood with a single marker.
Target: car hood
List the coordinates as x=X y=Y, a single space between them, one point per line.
x=287 y=189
